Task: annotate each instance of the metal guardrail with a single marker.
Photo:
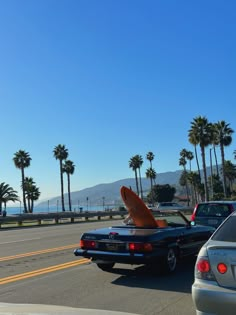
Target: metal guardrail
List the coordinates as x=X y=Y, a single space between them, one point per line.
x=57 y=217
x=63 y=217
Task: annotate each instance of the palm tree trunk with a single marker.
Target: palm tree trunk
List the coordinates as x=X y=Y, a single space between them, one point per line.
x=217 y=167
x=186 y=185
x=28 y=201
x=69 y=197
x=198 y=167
x=23 y=189
x=195 y=194
x=223 y=169
x=187 y=192
x=212 y=188
x=31 y=205
x=140 y=183
x=204 y=173
x=62 y=187
x=151 y=180
x=136 y=179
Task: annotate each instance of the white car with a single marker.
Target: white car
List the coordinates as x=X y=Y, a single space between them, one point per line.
x=168 y=206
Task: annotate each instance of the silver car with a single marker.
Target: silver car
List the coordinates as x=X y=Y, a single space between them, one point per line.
x=214 y=287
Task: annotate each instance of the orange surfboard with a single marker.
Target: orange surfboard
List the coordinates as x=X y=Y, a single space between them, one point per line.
x=138 y=211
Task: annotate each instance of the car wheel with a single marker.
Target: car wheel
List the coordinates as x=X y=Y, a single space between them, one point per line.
x=170 y=261
x=106 y=266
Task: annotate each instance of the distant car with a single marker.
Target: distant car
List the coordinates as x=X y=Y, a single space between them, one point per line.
x=157 y=247
x=214 y=287
x=212 y=213
x=168 y=206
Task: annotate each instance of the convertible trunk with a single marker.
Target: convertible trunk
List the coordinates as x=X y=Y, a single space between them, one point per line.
x=122 y=244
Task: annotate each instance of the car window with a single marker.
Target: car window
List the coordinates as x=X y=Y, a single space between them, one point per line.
x=172 y=218
x=227 y=232
x=213 y=210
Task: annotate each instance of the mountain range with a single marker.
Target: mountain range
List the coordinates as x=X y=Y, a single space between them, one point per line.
x=109 y=193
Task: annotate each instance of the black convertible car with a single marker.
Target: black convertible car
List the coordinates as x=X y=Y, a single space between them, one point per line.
x=159 y=247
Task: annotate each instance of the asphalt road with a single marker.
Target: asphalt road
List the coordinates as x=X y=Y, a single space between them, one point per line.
x=37 y=265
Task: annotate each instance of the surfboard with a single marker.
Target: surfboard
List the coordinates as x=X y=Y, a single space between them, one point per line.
x=138 y=211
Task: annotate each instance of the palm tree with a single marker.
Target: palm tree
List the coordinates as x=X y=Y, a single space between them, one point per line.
x=22 y=160
x=193 y=140
x=193 y=178
x=183 y=179
x=140 y=163
x=230 y=173
x=189 y=157
x=201 y=131
x=28 y=184
x=215 y=143
x=224 y=138
x=7 y=193
x=32 y=193
x=68 y=167
x=61 y=153
x=183 y=162
x=133 y=163
x=150 y=157
x=150 y=173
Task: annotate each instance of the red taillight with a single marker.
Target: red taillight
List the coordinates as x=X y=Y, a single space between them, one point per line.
x=86 y=244
x=203 y=269
x=203 y=265
x=194 y=214
x=222 y=268
x=140 y=247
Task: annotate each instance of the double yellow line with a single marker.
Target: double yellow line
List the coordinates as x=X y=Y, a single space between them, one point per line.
x=43 y=270
x=43 y=251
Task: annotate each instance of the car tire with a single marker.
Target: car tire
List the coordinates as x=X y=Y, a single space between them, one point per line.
x=169 y=263
x=106 y=266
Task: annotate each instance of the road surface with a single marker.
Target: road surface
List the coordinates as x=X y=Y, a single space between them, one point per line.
x=37 y=265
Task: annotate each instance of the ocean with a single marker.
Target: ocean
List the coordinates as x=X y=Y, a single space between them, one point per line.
x=52 y=208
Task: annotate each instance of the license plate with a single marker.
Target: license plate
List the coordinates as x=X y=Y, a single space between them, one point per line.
x=112 y=246
x=212 y=221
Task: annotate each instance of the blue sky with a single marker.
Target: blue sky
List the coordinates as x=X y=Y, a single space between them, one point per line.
x=111 y=79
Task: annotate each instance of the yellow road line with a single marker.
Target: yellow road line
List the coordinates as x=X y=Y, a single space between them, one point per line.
x=37 y=272
x=43 y=251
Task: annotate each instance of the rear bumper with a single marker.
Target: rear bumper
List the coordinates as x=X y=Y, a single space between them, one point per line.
x=210 y=299
x=125 y=258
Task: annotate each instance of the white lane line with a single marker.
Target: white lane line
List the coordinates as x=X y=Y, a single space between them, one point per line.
x=18 y=241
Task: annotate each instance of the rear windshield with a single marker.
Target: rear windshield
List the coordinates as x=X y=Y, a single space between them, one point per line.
x=227 y=231
x=213 y=210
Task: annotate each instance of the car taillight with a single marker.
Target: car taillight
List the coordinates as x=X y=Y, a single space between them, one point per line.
x=194 y=214
x=203 y=269
x=140 y=247
x=222 y=268
x=203 y=265
x=87 y=244
x=231 y=208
